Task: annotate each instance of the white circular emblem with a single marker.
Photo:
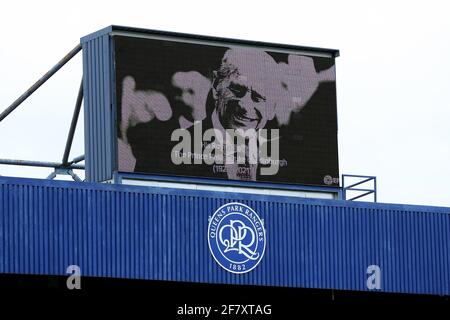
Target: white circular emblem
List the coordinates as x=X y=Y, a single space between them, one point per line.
x=236 y=237
x=328 y=179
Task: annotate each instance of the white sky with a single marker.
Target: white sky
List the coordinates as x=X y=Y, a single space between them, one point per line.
x=393 y=76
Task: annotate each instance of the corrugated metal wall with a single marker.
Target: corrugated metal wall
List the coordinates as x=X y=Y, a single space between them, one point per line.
x=149 y=233
x=98 y=107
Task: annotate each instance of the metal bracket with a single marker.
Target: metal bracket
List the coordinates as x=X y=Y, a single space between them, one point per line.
x=63 y=171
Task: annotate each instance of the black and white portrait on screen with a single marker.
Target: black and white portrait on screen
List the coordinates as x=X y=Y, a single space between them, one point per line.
x=179 y=104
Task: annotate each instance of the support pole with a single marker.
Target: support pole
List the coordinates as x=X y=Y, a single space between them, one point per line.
x=77 y=159
x=73 y=125
x=40 y=82
x=44 y=164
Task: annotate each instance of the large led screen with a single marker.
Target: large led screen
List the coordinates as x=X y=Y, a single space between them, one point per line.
x=225 y=112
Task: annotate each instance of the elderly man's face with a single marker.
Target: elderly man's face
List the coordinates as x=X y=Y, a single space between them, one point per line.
x=242 y=102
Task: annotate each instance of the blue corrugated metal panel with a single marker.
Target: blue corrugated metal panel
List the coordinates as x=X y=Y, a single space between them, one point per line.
x=150 y=233
x=98 y=114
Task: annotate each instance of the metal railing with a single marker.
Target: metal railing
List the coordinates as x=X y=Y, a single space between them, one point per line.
x=360 y=187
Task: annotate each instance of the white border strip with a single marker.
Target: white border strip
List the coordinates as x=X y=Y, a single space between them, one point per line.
x=208 y=187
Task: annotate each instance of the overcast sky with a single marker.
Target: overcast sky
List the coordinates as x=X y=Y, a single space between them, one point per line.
x=393 y=76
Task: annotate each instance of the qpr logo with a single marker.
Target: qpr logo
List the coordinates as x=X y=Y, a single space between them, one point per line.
x=236 y=237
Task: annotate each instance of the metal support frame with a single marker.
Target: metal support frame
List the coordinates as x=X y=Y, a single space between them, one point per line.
x=352 y=187
x=65 y=167
x=40 y=82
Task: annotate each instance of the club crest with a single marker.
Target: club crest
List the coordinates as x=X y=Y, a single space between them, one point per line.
x=236 y=237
